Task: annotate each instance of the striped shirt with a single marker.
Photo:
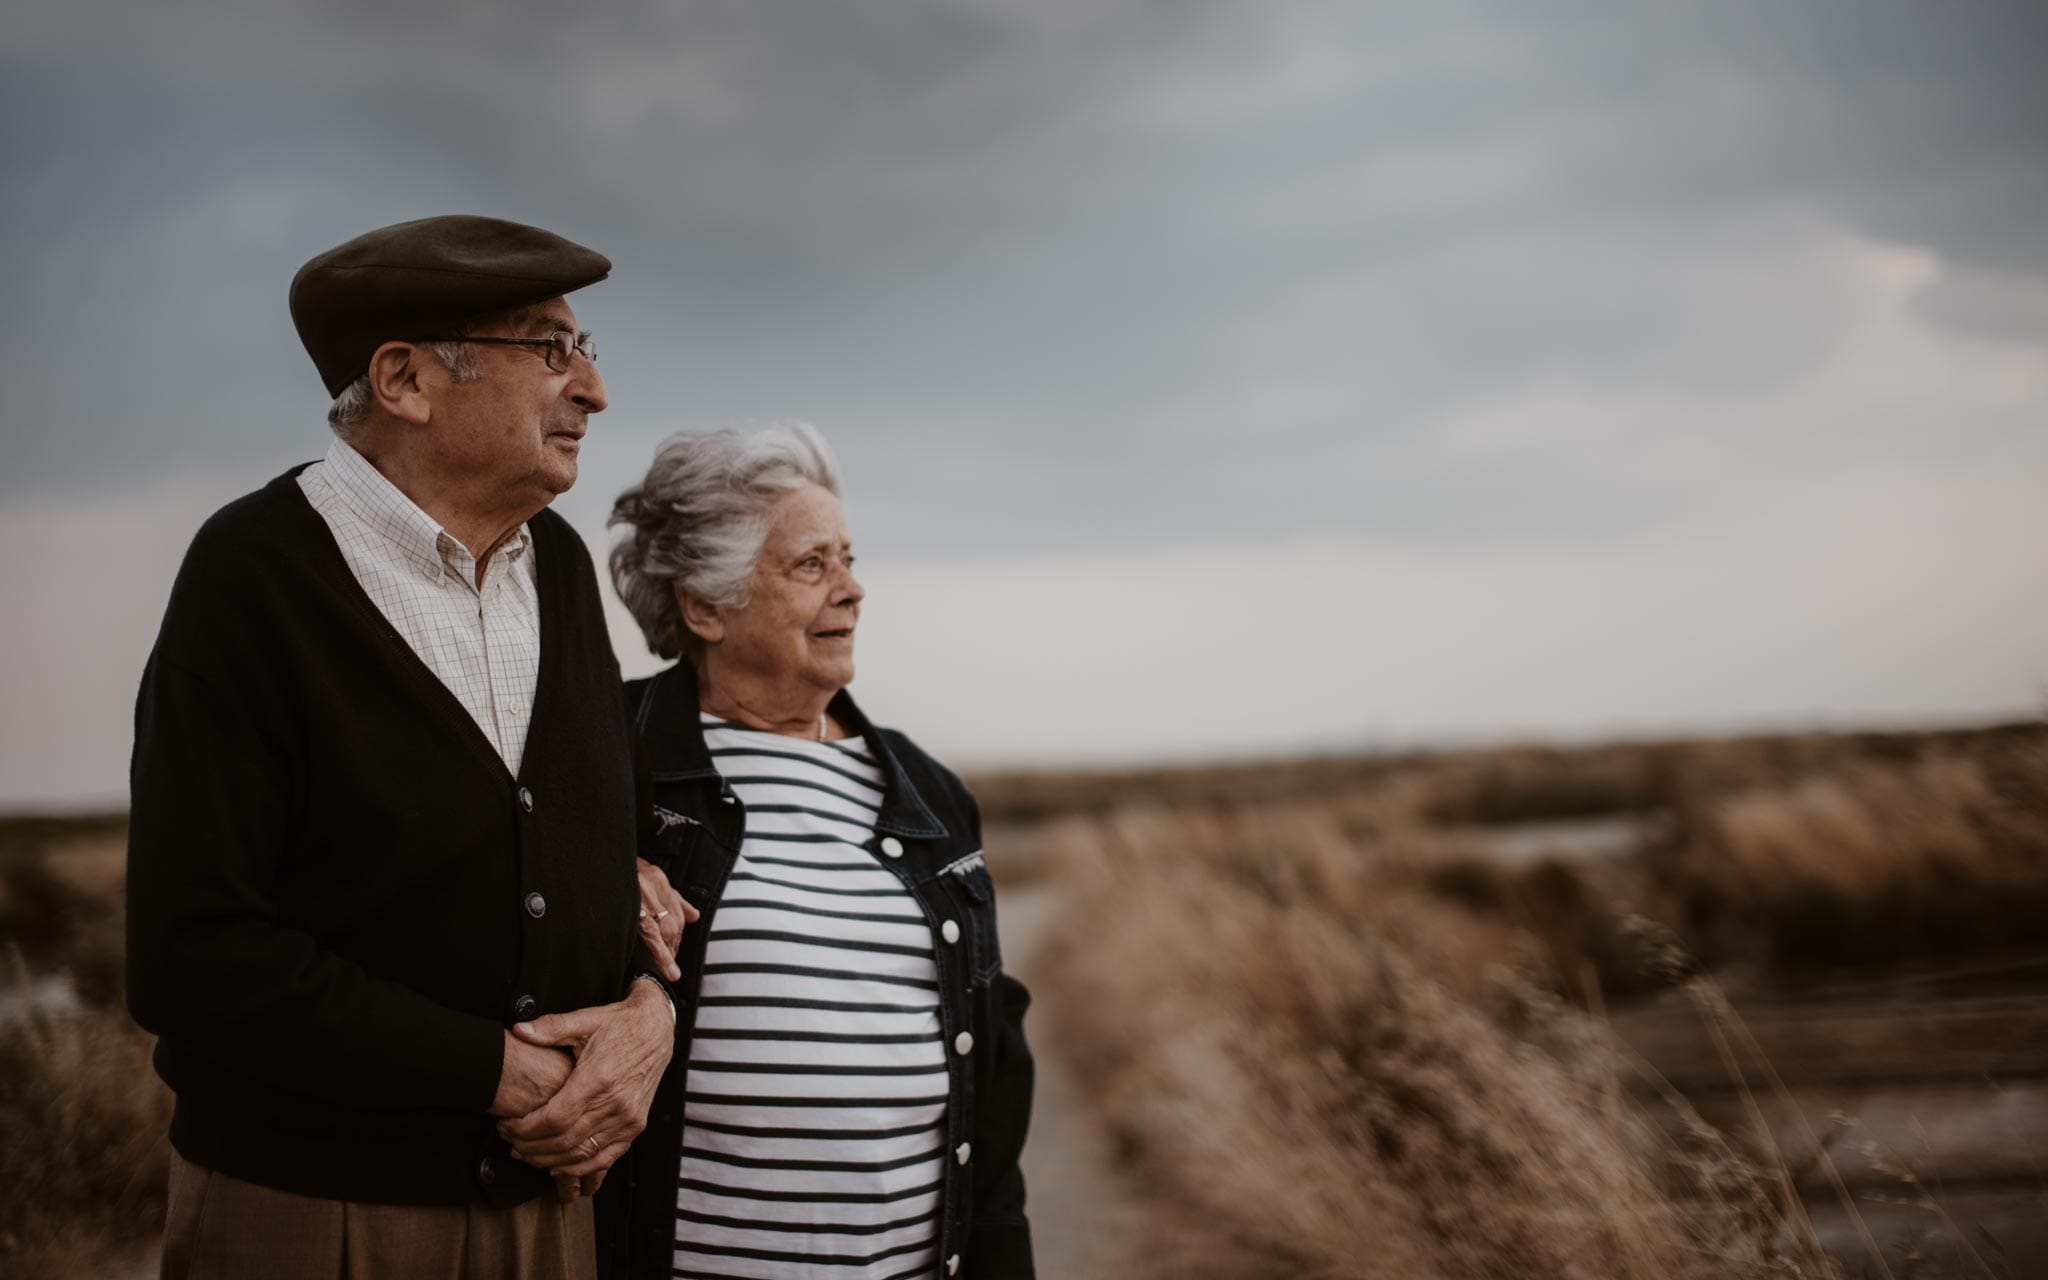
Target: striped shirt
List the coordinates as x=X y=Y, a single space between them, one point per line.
x=483 y=643
x=815 y=1130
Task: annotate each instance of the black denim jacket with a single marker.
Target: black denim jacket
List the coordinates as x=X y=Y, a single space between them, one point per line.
x=692 y=831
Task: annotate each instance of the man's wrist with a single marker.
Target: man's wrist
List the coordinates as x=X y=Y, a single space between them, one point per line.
x=656 y=983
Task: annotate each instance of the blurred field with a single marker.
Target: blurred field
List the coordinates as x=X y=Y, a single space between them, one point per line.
x=1773 y=1006
x=1766 y=1007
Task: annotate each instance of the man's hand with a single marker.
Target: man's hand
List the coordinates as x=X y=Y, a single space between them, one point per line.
x=529 y=1077
x=663 y=913
x=620 y=1051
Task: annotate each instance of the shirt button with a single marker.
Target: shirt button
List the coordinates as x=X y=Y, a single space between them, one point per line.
x=526 y=799
x=963 y=1043
x=525 y=1007
x=950 y=931
x=962 y=1152
x=487 y=1171
x=892 y=847
x=953 y=1265
x=536 y=906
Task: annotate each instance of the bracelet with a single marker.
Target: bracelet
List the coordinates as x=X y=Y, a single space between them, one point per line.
x=661 y=987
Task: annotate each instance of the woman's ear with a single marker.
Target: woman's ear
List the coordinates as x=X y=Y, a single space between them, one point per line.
x=395 y=383
x=704 y=620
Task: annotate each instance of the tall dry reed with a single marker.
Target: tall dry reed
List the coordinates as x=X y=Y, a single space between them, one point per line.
x=1293 y=1053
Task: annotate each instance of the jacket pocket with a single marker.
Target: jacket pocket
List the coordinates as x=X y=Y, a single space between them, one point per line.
x=976 y=892
x=675 y=843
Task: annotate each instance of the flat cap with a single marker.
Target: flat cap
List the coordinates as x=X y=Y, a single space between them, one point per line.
x=415 y=279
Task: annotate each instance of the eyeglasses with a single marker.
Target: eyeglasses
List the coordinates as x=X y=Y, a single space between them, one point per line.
x=559 y=347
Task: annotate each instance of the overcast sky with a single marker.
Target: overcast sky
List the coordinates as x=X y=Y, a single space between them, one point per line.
x=1210 y=379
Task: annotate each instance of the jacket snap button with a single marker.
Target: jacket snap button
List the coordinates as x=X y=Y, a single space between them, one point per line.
x=524 y=1008
x=963 y=1043
x=487 y=1171
x=962 y=1152
x=950 y=931
x=892 y=847
x=526 y=799
x=536 y=906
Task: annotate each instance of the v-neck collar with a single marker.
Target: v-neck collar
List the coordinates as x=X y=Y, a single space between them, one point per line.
x=434 y=696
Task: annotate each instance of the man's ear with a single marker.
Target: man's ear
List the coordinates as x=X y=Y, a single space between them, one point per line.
x=704 y=620
x=396 y=384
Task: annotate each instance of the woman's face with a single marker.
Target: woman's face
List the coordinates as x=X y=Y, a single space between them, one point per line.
x=797 y=625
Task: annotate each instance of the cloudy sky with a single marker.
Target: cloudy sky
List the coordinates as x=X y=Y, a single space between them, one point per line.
x=1210 y=378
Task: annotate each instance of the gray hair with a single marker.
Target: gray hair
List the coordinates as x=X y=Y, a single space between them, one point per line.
x=697 y=521
x=352 y=407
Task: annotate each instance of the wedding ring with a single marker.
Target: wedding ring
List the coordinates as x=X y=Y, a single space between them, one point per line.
x=659 y=914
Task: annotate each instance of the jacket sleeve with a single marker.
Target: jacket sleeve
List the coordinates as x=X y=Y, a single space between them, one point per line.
x=211 y=967
x=999 y=1237
x=640 y=962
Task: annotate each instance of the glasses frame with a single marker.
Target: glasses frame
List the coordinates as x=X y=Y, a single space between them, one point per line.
x=552 y=346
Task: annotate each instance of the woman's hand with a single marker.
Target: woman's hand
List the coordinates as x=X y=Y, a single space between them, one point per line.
x=663 y=913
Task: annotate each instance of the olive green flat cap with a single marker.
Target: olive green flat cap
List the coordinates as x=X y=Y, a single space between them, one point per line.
x=416 y=279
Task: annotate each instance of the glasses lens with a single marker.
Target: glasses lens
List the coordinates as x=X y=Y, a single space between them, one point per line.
x=588 y=346
x=561 y=348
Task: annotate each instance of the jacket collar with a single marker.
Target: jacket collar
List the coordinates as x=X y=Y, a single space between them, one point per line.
x=674 y=740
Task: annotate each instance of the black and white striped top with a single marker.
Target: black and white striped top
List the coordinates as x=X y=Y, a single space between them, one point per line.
x=815 y=1130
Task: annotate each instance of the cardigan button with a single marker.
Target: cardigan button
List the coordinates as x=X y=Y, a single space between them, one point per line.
x=524 y=1008
x=962 y=1152
x=536 y=906
x=892 y=847
x=487 y=1171
x=950 y=931
x=526 y=799
x=953 y=1265
x=963 y=1043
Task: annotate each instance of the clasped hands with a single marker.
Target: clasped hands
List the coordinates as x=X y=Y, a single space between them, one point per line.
x=576 y=1086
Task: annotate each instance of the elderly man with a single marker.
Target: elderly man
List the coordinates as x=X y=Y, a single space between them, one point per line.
x=382 y=907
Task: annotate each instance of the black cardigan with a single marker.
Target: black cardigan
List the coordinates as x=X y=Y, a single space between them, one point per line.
x=338 y=895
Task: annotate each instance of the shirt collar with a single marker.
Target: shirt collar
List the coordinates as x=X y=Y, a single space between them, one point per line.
x=384 y=509
x=673 y=738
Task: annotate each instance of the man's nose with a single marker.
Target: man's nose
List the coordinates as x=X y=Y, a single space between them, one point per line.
x=586 y=386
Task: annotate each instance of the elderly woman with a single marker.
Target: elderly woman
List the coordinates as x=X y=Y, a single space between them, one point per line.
x=850 y=1085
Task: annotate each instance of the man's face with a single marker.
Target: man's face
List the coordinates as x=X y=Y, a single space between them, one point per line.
x=517 y=430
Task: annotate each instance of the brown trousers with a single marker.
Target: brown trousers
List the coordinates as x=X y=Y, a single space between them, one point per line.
x=221 y=1228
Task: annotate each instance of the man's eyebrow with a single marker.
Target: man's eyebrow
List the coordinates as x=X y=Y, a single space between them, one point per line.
x=545 y=323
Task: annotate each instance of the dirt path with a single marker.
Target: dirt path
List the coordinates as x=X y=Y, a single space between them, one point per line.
x=1065 y=1172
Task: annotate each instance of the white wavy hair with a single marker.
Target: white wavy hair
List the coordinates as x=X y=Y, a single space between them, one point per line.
x=698 y=519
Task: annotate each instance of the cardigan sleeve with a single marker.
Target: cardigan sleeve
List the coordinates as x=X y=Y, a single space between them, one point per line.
x=211 y=967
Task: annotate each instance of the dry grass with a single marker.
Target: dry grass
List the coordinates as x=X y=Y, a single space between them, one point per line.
x=1309 y=1070
x=86 y=1154
x=87 y=1151
x=1874 y=860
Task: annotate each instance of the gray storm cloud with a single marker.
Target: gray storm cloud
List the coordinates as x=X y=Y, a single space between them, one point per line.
x=1141 y=283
